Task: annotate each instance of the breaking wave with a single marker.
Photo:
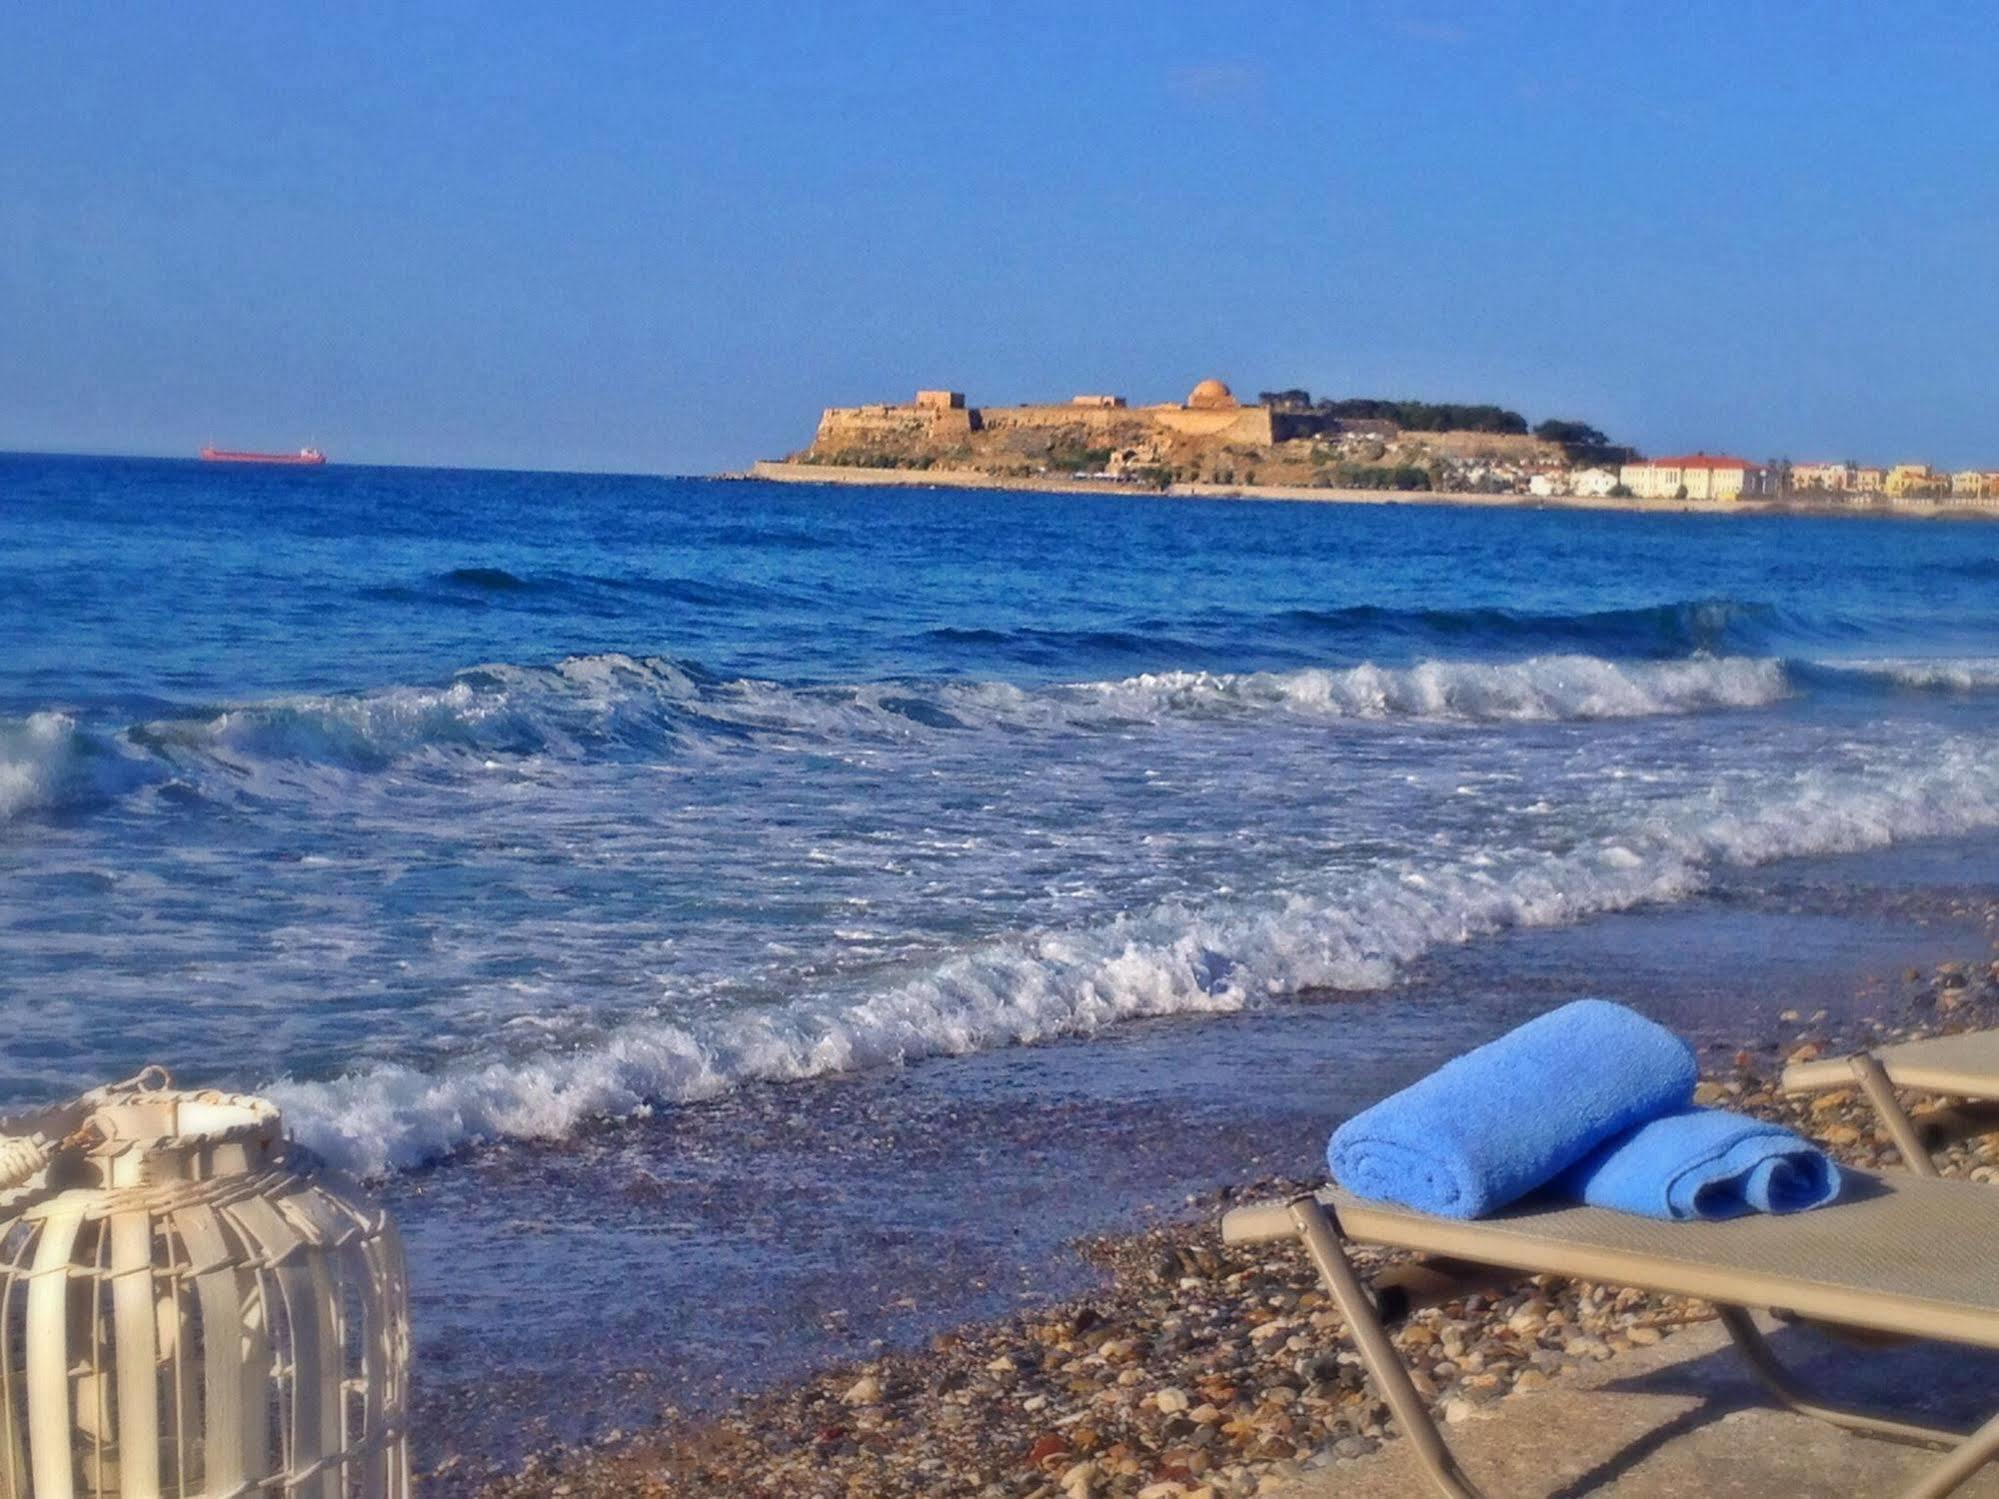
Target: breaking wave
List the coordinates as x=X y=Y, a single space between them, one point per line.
x=611 y=706
x=1359 y=933
x=591 y=704
x=1938 y=674
x=1541 y=689
x=48 y=763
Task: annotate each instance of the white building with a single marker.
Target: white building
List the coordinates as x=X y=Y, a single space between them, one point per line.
x=1698 y=476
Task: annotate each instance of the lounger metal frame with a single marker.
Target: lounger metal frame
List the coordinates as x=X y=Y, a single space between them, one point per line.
x=1316 y=1222
x=1879 y=1075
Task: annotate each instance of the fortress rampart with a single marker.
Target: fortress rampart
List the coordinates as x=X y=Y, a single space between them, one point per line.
x=941 y=419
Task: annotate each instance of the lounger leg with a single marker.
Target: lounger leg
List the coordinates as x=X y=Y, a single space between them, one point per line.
x=1755 y=1349
x=1391 y=1377
x=1963 y=1460
x=1873 y=1079
x=1966 y=1456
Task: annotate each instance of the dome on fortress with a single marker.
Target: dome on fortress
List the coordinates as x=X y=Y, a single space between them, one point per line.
x=1211 y=395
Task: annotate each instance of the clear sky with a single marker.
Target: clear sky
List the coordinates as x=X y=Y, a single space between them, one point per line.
x=660 y=236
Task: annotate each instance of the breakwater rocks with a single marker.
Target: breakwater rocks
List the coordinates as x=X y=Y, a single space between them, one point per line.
x=1197 y=1371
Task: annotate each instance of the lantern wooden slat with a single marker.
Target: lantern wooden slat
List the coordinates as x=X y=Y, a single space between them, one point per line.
x=133 y=1305
x=188 y=1308
x=218 y=1294
x=49 y=1420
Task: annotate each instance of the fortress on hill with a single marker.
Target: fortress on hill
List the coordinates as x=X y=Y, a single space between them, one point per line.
x=1287 y=442
x=941 y=418
x=1211 y=436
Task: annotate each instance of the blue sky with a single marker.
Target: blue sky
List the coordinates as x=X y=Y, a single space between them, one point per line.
x=659 y=237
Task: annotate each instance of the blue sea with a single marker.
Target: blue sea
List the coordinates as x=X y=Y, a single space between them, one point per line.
x=653 y=864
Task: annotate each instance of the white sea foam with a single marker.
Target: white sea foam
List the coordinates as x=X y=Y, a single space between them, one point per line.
x=588 y=704
x=47 y=760
x=1358 y=933
x=1541 y=688
x=1941 y=673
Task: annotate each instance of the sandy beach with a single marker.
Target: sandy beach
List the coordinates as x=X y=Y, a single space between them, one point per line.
x=945 y=478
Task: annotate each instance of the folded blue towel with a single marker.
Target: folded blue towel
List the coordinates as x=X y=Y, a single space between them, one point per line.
x=1499 y=1121
x=1703 y=1163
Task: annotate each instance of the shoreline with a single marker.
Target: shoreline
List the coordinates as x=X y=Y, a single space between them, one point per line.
x=1191 y=1369
x=778 y=471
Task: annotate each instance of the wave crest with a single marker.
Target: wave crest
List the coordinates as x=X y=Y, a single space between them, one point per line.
x=593 y=704
x=47 y=762
x=1542 y=688
x=1933 y=674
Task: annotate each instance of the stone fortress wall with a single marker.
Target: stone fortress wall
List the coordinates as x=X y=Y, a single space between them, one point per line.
x=941 y=418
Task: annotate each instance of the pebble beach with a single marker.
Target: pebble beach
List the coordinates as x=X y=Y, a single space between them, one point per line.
x=1195 y=1370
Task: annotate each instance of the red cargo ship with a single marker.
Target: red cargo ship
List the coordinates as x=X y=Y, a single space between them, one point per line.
x=225 y=455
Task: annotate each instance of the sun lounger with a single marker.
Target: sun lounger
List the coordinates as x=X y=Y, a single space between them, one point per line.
x=1963 y=1066
x=1901 y=1255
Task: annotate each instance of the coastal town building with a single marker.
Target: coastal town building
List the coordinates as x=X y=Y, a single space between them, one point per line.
x=1831 y=478
x=1585 y=483
x=1973 y=488
x=1869 y=481
x=1696 y=476
x=1914 y=480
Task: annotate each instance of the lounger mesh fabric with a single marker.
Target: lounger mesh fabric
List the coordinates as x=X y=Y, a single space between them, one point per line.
x=1964 y=1065
x=1903 y=1254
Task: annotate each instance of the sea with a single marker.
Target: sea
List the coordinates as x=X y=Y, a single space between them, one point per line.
x=738 y=926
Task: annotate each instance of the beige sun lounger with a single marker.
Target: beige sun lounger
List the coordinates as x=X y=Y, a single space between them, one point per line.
x=1900 y=1254
x=1963 y=1066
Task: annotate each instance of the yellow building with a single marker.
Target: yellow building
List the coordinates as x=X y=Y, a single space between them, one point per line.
x=1698 y=476
x=1915 y=481
x=1869 y=480
x=1973 y=486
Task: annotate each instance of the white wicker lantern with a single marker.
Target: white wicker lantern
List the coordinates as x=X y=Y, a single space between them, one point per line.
x=186 y=1308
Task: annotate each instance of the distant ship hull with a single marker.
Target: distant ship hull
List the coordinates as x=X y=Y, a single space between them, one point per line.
x=306 y=456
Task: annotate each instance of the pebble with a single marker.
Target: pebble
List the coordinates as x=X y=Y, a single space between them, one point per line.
x=1198 y=1371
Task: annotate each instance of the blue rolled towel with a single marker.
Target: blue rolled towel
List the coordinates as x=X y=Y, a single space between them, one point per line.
x=1703 y=1163
x=1501 y=1120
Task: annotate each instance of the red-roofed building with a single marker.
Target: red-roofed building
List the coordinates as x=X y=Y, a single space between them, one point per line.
x=1697 y=476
